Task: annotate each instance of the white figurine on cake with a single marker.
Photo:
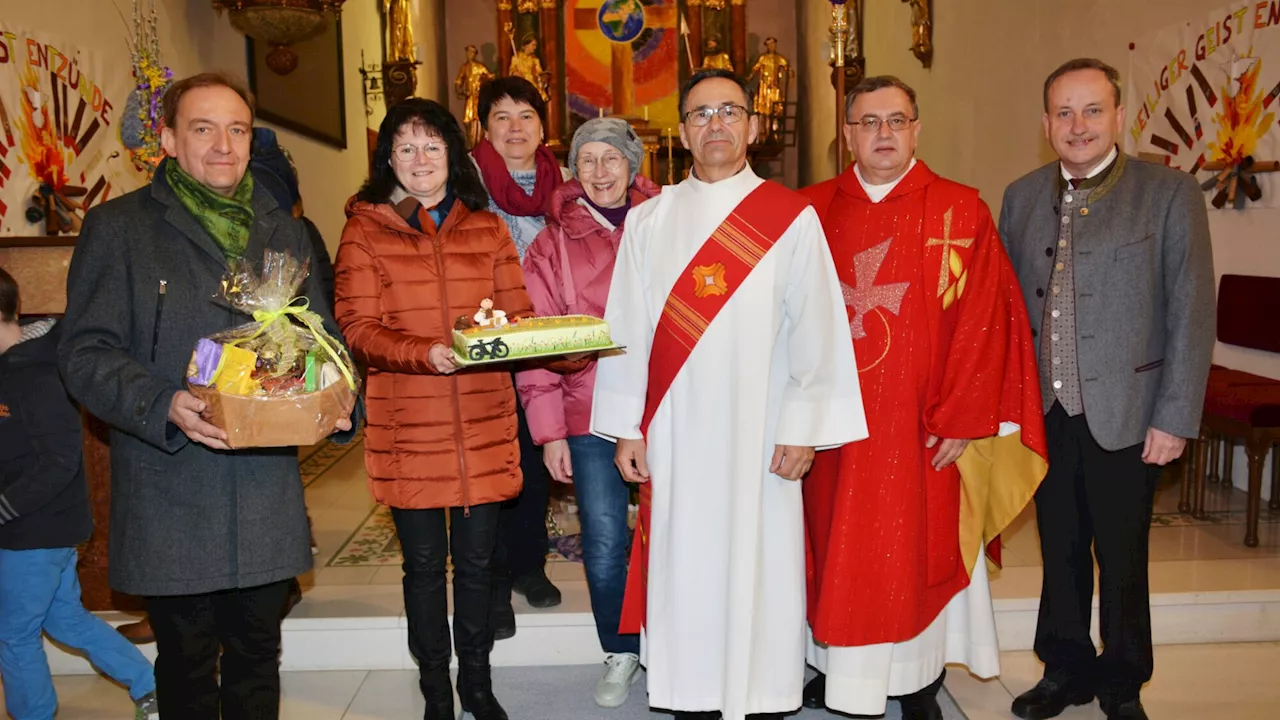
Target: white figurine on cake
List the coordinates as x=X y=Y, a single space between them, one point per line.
x=488 y=317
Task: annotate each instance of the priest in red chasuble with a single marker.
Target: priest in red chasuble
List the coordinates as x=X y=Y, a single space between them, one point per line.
x=897 y=524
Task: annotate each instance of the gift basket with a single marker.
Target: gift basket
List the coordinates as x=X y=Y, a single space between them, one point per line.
x=280 y=380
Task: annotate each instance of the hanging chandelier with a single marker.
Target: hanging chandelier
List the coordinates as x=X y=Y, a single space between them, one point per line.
x=280 y=23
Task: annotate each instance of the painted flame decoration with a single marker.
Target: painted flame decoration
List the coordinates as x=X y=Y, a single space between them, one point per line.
x=1241 y=122
x=45 y=155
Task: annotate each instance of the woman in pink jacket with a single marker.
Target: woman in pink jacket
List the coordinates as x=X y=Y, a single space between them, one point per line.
x=567 y=272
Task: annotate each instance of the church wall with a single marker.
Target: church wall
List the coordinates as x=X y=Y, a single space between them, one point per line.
x=816 y=142
x=429 y=33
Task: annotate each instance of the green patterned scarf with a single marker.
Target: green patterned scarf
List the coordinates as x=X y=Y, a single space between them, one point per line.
x=226 y=219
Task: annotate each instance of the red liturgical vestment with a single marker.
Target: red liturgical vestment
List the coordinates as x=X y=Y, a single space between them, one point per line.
x=943 y=347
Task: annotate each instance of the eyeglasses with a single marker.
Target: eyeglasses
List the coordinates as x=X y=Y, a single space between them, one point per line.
x=612 y=163
x=729 y=114
x=406 y=153
x=871 y=123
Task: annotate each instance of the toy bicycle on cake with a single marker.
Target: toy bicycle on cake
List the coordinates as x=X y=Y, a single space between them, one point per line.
x=488 y=336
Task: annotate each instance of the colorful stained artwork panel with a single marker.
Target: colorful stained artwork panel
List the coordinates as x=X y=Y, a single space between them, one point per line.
x=622 y=58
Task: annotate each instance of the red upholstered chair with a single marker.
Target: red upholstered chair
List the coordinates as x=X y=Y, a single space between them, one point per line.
x=1240 y=406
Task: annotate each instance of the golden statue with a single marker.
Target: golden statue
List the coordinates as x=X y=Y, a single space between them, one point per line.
x=775 y=73
x=399 y=31
x=921 y=31
x=471 y=76
x=713 y=58
x=526 y=64
x=526 y=6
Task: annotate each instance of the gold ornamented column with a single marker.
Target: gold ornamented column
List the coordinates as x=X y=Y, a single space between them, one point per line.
x=551 y=42
x=506 y=43
x=695 y=34
x=839 y=38
x=738 y=35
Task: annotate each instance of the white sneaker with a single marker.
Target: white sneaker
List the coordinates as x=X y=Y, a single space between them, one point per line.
x=146 y=708
x=621 y=672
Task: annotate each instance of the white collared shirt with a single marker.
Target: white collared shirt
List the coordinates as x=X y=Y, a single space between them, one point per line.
x=880 y=192
x=1110 y=158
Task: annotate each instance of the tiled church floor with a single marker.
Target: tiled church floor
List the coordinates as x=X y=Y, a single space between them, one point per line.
x=355 y=573
x=1192 y=682
x=1186 y=555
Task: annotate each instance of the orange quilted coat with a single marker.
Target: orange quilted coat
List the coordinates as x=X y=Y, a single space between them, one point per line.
x=432 y=440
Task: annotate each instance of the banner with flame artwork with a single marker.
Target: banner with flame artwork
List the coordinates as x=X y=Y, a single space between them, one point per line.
x=60 y=145
x=1202 y=97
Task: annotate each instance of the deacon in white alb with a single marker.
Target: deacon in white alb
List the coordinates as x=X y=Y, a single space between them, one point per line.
x=732 y=404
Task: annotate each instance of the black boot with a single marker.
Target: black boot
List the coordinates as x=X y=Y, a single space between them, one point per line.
x=475 y=690
x=426 y=605
x=537 y=589
x=923 y=704
x=438 y=692
x=473 y=595
x=815 y=693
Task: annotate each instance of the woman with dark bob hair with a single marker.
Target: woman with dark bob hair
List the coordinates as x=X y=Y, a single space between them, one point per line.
x=419 y=250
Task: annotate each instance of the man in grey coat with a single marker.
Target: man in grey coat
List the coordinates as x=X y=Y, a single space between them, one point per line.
x=210 y=537
x=1115 y=263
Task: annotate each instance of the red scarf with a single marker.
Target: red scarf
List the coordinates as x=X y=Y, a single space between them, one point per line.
x=504 y=190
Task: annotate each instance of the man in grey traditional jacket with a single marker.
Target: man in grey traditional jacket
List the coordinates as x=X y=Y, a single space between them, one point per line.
x=1115 y=263
x=210 y=537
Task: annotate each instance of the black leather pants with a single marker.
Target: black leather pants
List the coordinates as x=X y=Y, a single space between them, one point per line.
x=427 y=543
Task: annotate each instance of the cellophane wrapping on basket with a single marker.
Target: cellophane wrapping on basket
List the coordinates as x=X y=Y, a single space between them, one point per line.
x=280 y=380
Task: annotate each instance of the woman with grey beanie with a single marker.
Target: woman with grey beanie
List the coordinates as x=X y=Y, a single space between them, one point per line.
x=567 y=271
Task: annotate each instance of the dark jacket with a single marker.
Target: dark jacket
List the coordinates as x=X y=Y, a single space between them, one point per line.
x=44 y=502
x=184 y=519
x=321 y=265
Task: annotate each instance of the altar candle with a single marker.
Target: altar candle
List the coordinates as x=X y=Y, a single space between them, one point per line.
x=646 y=113
x=601 y=112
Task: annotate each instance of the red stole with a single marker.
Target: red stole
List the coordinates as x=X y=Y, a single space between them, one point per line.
x=711 y=278
x=943 y=347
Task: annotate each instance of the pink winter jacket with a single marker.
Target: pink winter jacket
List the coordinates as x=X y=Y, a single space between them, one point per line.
x=567 y=271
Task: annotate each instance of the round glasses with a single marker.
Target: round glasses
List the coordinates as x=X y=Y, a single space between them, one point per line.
x=612 y=163
x=729 y=114
x=406 y=153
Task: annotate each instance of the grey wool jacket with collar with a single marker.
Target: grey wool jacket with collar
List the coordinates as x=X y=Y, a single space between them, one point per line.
x=185 y=519
x=1144 y=292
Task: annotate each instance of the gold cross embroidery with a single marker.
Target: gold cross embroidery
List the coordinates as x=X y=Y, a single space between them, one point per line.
x=947 y=242
x=709 y=280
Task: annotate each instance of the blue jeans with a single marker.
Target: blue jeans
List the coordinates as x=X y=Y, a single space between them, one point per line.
x=602 y=508
x=39 y=591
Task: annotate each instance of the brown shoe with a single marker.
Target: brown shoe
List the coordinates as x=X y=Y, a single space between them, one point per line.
x=138 y=633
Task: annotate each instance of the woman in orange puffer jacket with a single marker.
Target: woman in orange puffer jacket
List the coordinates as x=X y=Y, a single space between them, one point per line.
x=419 y=250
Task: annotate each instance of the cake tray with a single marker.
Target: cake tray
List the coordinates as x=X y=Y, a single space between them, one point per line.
x=462 y=362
